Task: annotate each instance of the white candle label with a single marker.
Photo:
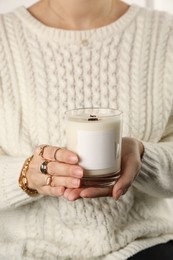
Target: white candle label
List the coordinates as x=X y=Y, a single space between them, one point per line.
x=97 y=149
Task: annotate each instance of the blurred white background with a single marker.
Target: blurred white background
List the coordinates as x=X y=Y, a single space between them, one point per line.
x=8 y=5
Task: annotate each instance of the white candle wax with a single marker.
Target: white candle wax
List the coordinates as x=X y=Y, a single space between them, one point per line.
x=97 y=142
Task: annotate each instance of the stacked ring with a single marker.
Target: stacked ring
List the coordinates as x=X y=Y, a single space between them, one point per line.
x=42 y=150
x=43 y=167
x=56 y=153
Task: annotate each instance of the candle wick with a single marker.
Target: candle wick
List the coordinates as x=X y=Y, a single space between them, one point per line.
x=93 y=118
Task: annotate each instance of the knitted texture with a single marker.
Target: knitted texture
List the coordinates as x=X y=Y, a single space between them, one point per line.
x=44 y=72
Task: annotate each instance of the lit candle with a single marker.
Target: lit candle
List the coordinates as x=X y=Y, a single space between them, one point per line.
x=95 y=135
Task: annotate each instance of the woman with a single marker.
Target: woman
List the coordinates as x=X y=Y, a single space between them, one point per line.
x=59 y=55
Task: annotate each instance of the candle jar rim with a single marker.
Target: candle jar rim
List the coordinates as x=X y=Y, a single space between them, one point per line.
x=90 y=110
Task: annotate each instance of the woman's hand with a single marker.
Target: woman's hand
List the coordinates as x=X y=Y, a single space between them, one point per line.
x=132 y=151
x=62 y=172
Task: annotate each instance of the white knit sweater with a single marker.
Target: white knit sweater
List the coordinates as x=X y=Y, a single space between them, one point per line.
x=44 y=71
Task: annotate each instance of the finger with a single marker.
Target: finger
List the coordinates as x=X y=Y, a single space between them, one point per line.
x=128 y=175
x=49 y=152
x=67 y=182
x=96 y=192
x=72 y=194
x=60 y=154
x=64 y=155
x=56 y=168
x=67 y=192
x=38 y=180
x=52 y=191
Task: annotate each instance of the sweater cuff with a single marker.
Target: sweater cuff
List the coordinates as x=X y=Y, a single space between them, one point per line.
x=155 y=175
x=148 y=171
x=11 y=195
x=150 y=160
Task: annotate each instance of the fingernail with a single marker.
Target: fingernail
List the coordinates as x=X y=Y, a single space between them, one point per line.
x=119 y=193
x=73 y=159
x=78 y=172
x=76 y=182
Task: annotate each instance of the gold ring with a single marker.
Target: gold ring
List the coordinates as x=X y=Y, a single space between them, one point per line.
x=42 y=150
x=49 y=181
x=56 y=153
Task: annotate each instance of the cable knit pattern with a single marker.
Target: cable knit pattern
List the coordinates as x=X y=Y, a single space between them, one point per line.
x=46 y=71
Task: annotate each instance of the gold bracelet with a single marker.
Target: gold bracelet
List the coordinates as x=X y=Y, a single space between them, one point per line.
x=23 y=181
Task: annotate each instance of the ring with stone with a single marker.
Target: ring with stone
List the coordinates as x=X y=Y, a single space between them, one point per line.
x=43 y=167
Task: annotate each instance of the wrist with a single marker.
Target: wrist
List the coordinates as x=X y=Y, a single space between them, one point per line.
x=29 y=174
x=23 y=180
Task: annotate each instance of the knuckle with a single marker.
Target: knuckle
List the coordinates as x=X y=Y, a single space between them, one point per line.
x=53 y=182
x=48 y=152
x=37 y=150
x=60 y=191
x=56 y=191
x=33 y=165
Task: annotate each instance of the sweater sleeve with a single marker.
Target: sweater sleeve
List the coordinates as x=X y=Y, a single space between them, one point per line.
x=156 y=174
x=11 y=195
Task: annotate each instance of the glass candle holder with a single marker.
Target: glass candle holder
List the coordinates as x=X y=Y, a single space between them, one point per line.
x=95 y=135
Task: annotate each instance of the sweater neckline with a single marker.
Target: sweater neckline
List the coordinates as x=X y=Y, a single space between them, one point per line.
x=74 y=36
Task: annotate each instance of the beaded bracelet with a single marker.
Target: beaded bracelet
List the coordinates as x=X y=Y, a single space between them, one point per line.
x=23 y=181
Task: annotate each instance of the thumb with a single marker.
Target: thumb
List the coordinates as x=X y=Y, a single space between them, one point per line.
x=128 y=173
